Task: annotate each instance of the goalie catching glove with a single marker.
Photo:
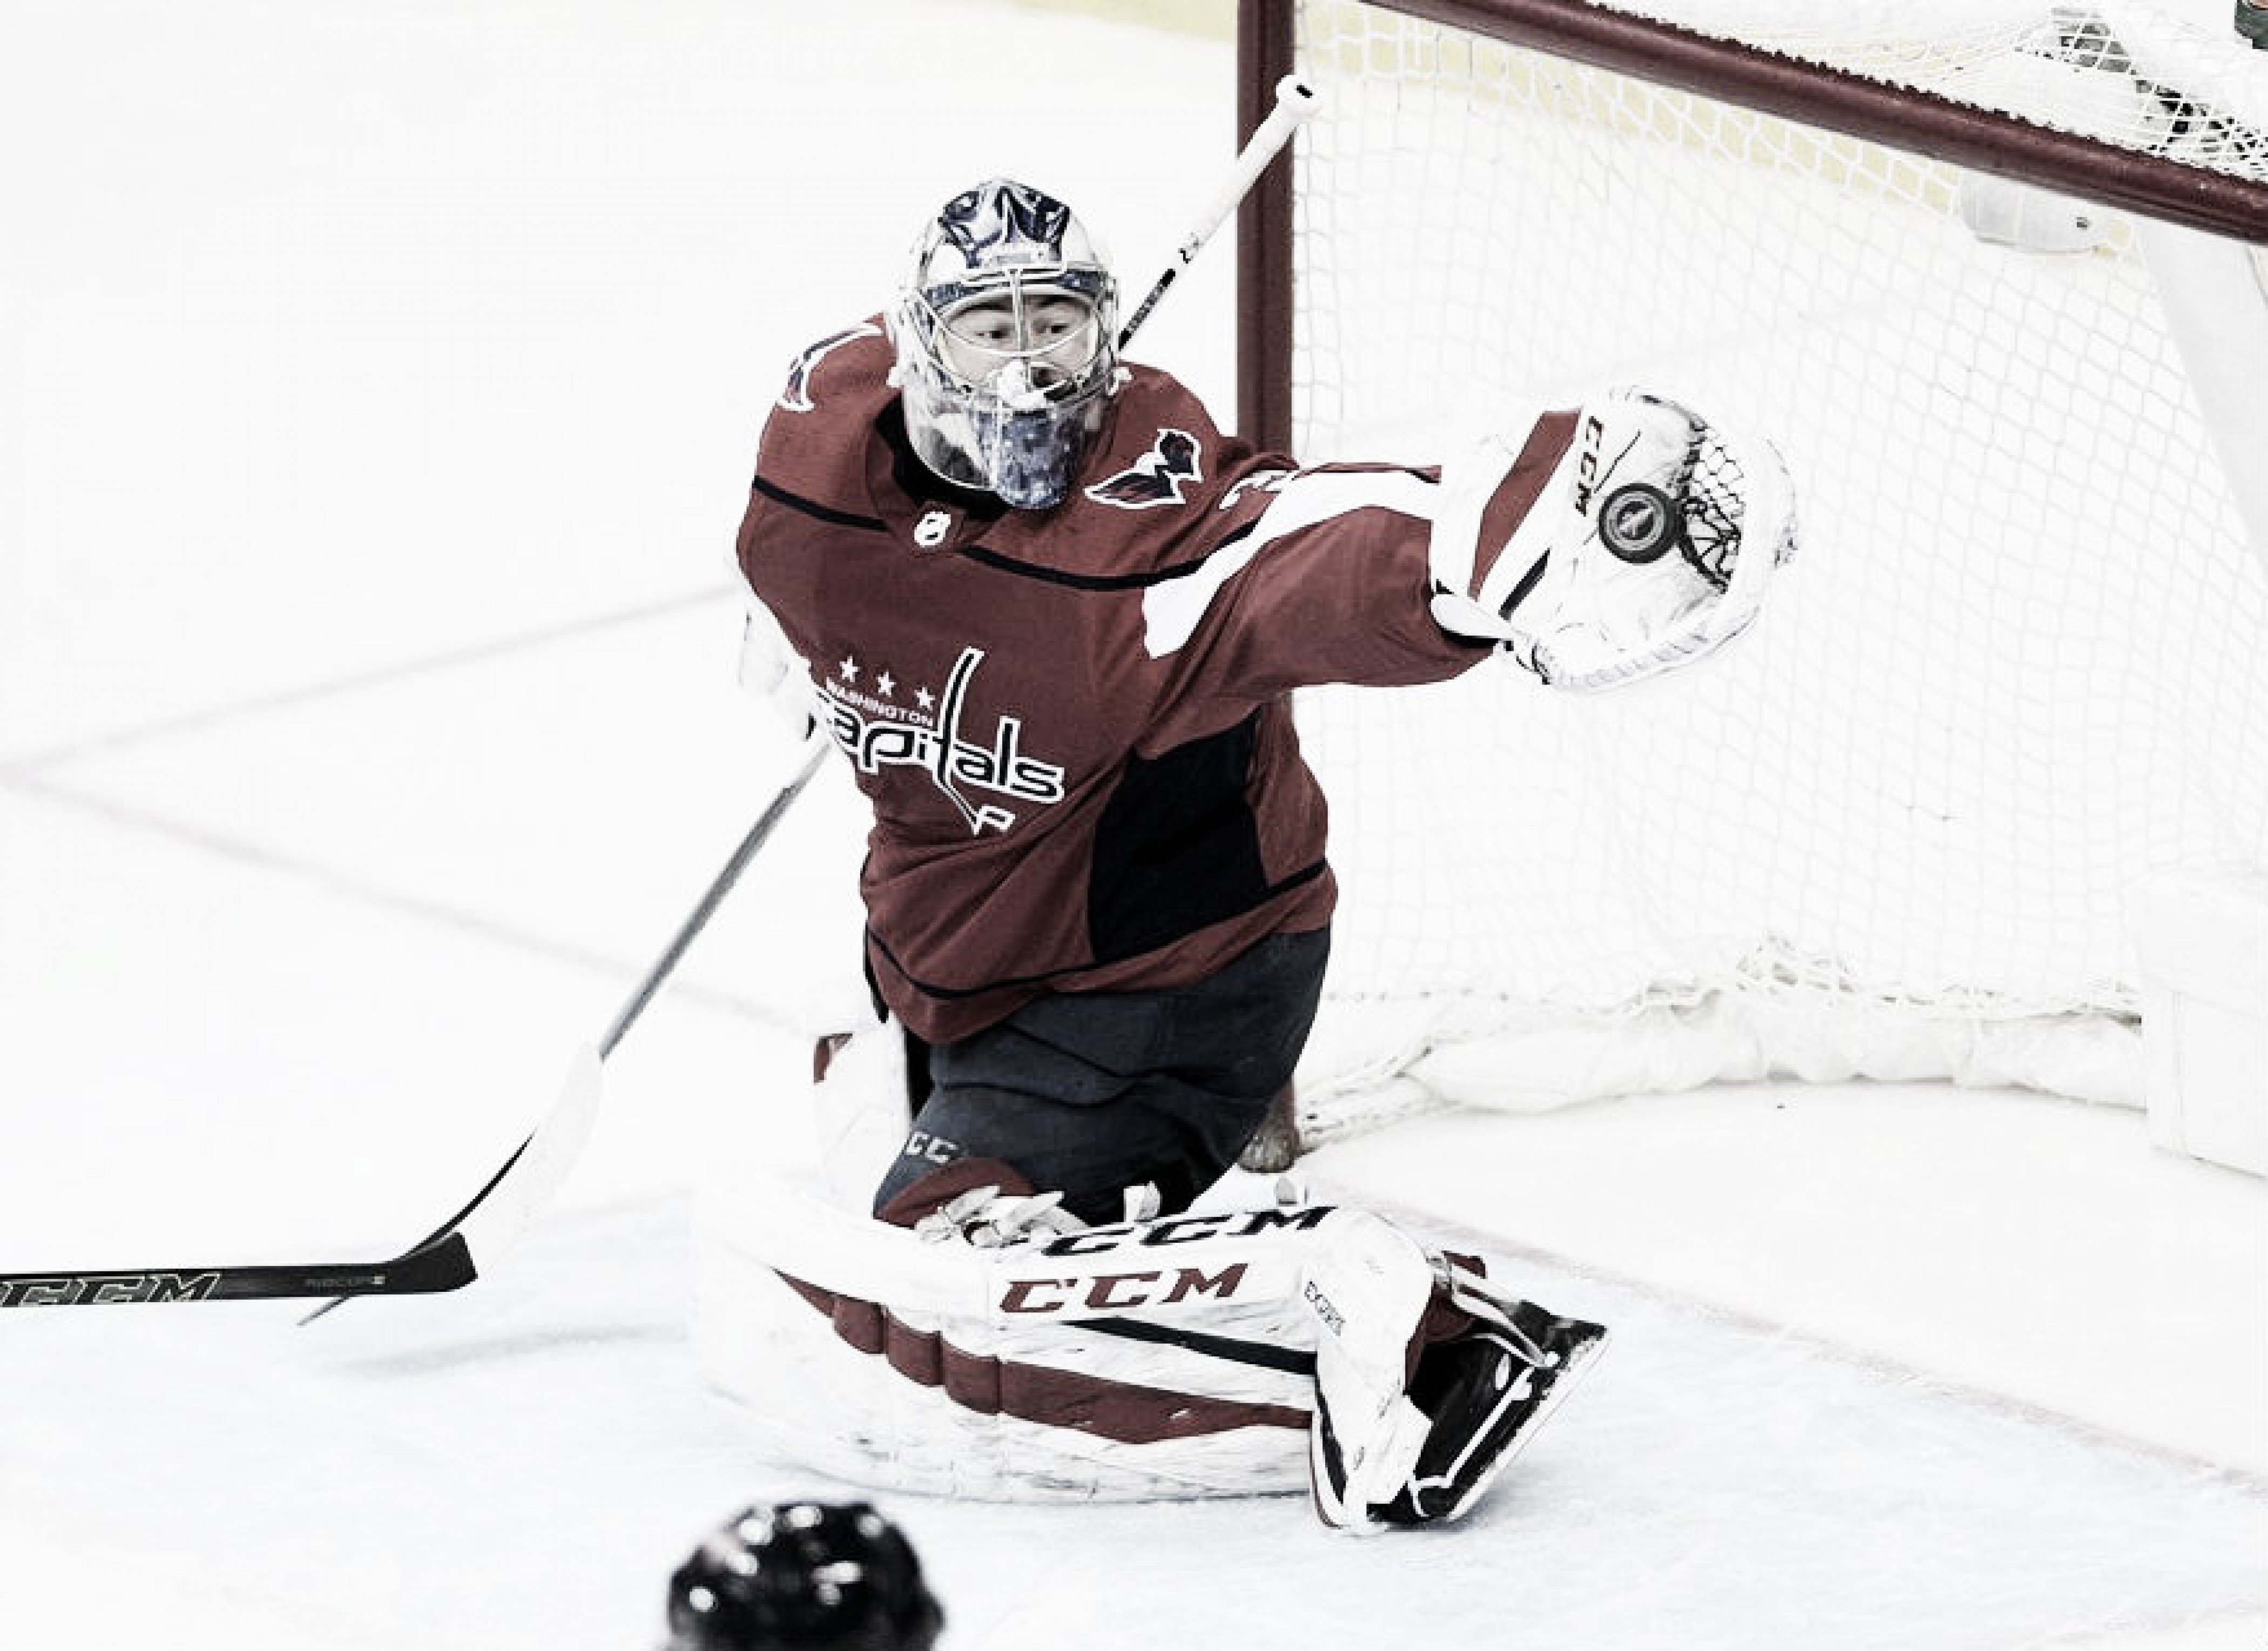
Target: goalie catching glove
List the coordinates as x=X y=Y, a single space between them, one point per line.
x=1646 y=545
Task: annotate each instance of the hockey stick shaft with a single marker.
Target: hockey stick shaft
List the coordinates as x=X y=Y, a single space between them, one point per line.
x=503 y=1209
x=1295 y=102
x=814 y=753
x=450 y=1256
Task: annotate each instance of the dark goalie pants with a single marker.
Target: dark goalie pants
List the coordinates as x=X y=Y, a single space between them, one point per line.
x=1090 y=1094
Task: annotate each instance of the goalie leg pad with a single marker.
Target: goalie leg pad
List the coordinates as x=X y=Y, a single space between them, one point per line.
x=1006 y=1405
x=861 y=1103
x=1023 y=1352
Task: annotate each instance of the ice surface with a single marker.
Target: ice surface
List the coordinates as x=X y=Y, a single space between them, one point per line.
x=377 y=387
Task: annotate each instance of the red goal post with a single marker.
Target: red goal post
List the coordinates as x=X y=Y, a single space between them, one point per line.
x=1996 y=286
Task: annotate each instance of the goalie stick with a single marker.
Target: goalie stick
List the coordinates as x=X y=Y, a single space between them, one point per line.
x=1295 y=102
x=453 y=1255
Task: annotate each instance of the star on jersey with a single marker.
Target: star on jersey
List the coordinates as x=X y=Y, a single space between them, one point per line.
x=1159 y=476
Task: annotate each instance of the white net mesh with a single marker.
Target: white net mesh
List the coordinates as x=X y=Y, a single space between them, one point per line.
x=2204 y=99
x=2020 y=656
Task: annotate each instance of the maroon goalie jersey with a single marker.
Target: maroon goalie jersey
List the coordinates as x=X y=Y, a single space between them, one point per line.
x=1073 y=725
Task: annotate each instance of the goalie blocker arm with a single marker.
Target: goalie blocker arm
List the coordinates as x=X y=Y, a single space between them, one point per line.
x=1628 y=538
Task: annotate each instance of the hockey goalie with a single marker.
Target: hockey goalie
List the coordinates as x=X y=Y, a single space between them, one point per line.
x=1052 y=618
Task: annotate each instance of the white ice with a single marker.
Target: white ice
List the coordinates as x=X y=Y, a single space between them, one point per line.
x=377 y=393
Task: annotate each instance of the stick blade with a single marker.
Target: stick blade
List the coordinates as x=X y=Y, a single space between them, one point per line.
x=496 y=1220
x=507 y=1206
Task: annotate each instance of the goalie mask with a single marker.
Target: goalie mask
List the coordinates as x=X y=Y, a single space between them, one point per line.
x=1007 y=337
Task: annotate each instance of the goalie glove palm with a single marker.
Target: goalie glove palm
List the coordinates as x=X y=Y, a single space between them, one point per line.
x=1647 y=547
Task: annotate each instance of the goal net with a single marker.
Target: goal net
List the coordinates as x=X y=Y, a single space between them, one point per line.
x=1976 y=276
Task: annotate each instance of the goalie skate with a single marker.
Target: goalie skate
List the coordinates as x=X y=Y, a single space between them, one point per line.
x=1486 y=1391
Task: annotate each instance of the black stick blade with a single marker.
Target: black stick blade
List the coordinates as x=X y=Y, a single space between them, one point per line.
x=445 y=1263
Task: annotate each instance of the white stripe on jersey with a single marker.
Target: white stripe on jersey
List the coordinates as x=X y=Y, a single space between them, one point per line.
x=1173 y=610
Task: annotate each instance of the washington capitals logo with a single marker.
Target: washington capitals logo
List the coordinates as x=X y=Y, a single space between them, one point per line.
x=796 y=398
x=879 y=731
x=1159 y=476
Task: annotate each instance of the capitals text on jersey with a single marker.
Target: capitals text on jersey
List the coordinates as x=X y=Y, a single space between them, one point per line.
x=876 y=742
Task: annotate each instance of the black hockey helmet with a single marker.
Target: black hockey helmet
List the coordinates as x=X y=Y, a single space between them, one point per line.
x=803 y=1576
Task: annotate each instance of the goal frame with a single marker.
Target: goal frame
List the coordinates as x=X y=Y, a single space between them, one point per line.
x=1920 y=121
